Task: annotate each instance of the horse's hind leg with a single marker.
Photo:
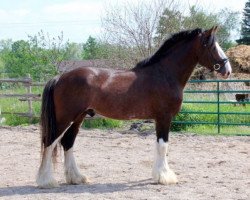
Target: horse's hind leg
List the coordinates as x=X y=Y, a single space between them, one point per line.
x=45 y=177
x=72 y=174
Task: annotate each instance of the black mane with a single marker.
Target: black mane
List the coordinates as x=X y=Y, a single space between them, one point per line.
x=167 y=45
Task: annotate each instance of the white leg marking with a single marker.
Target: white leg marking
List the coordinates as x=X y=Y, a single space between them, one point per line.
x=45 y=177
x=161 y=172
x=73 y=176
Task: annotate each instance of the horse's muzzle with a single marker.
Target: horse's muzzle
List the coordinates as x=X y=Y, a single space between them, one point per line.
x=224 y=71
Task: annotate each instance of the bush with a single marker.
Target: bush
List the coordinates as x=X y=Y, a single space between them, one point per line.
x=102 y=123
x=183 y=117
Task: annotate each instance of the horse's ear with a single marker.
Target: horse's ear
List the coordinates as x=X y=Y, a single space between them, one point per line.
x=209 y=32
x=215 y=29
x=208 y=35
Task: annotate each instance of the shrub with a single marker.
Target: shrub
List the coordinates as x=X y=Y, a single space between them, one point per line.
x=102 y=123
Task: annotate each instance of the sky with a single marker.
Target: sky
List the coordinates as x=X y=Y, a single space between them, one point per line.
x=78 y=19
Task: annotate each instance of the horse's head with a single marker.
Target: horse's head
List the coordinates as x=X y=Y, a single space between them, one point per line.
x=211 y=55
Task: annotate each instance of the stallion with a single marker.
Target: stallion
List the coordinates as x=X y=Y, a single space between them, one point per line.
x=153 y=89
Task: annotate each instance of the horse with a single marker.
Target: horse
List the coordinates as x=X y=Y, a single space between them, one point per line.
x=153 y=89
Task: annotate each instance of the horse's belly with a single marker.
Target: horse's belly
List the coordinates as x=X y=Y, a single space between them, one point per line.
x=123 y=111
x=115 y=115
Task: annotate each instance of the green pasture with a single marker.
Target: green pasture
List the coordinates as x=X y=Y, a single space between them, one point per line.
x=14 y=105
x=212 y=129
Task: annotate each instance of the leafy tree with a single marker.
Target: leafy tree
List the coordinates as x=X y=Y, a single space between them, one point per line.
x=2 y=68
x=39 y=56
x=171 y=22
x=17 y=58
x=96 y=49
x=228 y=22
x=245 y=27
x=73 y=51
x=5 y=47
x=199 y=18
x=90 y=49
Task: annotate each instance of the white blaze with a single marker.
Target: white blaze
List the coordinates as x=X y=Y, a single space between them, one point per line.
x=223 y=56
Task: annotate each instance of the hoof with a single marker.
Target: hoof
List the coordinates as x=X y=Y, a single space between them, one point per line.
x=47 y=184
x=165 y=177
x=77 y=180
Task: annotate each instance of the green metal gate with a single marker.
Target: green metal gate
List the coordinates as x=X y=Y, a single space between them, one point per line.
x=218 y=91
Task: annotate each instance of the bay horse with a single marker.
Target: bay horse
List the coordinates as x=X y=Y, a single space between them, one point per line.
x=153 y=89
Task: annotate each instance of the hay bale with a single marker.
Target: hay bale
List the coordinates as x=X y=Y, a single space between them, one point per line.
x=240 y=58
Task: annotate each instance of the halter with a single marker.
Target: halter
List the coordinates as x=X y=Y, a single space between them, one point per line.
x=217 y=63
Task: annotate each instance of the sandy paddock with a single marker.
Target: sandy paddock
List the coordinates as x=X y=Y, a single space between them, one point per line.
x=119 y=166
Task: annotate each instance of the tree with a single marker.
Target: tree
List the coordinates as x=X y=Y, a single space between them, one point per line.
x=5 y=47
x=245 y=27
x=171 y=22
x=73 y=51
x=97 y=49
x=228 y=24
x=131 y=27
x=137 y=30
x=90 y=49
x=39 y=56
x=17 y=59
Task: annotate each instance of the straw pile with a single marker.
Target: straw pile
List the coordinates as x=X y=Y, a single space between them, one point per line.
x=240 y=58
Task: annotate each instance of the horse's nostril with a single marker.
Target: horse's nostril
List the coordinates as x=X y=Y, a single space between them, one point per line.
x=228 y=73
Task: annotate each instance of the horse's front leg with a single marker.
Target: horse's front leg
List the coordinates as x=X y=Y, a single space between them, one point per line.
x=161 y=172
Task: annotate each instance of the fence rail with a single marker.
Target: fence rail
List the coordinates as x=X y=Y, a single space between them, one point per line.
x=28 y=96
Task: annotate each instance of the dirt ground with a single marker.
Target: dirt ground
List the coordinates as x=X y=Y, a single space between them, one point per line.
x=119 y=166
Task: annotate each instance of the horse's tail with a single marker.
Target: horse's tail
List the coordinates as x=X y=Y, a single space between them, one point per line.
x=48 y=117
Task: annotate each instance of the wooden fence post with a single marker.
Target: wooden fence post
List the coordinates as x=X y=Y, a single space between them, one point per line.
x=29 y=100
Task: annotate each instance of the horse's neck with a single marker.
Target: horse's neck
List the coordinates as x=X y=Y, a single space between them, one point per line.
x=184 y=62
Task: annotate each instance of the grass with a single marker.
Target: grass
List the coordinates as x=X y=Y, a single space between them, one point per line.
x=224 y=130
x=15 y=106
x=102 y=123
x=213 y=117
x=212 y=129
